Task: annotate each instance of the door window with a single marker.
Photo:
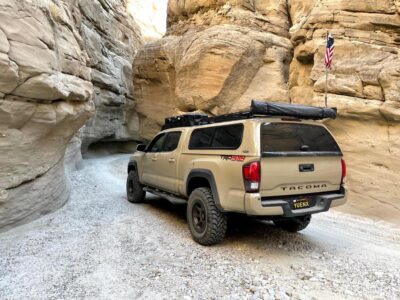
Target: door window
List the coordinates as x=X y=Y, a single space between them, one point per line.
x=171 y=141
x=156 y=144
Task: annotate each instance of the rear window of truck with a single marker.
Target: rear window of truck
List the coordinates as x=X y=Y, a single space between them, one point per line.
x=218 y=137
x=287 y=139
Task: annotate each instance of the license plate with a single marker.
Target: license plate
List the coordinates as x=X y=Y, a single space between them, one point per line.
x=302 y=202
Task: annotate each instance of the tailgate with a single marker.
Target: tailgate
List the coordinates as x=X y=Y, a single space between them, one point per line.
x=298 y=158
x=299 y=175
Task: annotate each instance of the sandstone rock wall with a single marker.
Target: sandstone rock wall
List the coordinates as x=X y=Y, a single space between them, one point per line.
x=364 y=84
x=58 y=59
x=110 y=40
x=366 y=68
x=219 y=54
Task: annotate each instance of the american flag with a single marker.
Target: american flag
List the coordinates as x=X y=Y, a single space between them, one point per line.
x=329 y=51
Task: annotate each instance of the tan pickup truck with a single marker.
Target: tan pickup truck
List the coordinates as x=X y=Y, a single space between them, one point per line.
x=283 y=165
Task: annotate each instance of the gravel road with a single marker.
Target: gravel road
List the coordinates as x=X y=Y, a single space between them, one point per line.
x=99 y=246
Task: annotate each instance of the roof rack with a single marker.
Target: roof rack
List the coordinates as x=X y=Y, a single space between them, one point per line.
x=232 y=117
x=186 y=121
x=257 y=109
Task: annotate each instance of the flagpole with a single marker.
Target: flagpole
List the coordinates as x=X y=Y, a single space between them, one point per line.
x=326 y=77
x=326 y=86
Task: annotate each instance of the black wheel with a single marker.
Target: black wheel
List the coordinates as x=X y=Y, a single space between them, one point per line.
x=206 y=223
x=293 y=224
x=134 y=188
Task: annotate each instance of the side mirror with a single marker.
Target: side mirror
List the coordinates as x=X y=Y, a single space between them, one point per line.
x=141 y=147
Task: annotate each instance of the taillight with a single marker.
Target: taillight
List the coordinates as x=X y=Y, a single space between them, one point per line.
x=344 y=172
x=252 y=177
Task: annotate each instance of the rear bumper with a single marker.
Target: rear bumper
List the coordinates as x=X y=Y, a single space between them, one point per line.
x=257 y=206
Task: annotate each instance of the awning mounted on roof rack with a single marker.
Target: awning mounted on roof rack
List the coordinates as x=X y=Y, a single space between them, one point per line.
x=291 y=110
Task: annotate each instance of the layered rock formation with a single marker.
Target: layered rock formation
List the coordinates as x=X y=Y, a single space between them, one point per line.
x=219 y=54
x=55 y=58
x=365 y=86
x=110 y=40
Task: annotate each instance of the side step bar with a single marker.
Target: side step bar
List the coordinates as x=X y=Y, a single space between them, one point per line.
x=171 y=198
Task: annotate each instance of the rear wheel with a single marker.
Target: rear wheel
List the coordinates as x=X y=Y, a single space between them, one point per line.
x=134 y=188
x=294 y=224
x=206 y=223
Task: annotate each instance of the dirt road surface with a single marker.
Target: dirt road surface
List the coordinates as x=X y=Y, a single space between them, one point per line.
x=99 y=246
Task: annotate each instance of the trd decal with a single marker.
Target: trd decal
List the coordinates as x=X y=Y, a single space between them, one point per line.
x=233 y=157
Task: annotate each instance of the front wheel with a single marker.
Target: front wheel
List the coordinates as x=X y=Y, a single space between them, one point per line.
x=134 y=188
x=207 y=224
x=294 y=224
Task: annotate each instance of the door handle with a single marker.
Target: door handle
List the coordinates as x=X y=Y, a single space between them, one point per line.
x=154 y=158
x=171 y=160
x=306 y=168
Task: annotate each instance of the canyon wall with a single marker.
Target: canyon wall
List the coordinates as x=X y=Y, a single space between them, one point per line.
x=64 y=64
x=365 y=86
x=110 y=39
x=61 y=62
x=218 y=55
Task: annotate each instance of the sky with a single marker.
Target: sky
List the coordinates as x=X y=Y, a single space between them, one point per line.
x=151 y=15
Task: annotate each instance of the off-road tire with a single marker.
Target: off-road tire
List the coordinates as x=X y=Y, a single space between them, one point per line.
x=294 y=224
x=215 y=221
x=134 y=189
